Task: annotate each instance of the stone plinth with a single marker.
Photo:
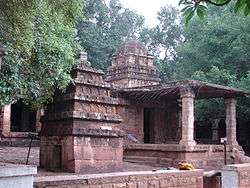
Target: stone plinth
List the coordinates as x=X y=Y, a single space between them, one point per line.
x=80 y=131
x=89 y=151
x=201 y=156
x=16 y=176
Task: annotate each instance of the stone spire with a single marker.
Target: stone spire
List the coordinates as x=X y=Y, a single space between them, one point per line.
x=80 y=128
x=132 y=66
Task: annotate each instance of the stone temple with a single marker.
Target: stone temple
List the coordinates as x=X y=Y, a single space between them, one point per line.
x=127 y=114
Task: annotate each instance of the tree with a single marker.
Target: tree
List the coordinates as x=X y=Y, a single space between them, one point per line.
x=40 y=39
x=217 y=50
x=200 y=7
x=106 y=27
x=163 y=39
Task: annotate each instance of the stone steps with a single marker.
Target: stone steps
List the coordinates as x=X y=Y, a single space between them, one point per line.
x=155 y=161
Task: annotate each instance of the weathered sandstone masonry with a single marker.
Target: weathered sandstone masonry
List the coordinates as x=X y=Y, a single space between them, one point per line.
x=83 y=128
x=147 y=179
x=132 y=66
x=79 y=132
x=184 y=147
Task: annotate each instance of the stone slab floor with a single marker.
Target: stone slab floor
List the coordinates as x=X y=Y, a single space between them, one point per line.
x=18 y=155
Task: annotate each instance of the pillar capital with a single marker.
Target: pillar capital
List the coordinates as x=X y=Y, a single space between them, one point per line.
x=187 y=92
x=230 y=101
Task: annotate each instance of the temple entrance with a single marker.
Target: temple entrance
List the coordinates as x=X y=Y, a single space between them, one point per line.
x=148 y=125
x=23 y=119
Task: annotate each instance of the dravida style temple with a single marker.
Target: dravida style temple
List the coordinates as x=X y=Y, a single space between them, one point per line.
x=126 y=114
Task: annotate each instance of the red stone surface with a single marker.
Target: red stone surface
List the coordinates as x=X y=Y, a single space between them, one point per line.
x=145 y=179
x=80 y=130
x=132 y=66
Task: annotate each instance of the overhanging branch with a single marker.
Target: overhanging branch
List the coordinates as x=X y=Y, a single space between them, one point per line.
x=218 y=4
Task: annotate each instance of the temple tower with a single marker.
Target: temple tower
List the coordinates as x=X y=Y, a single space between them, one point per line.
x=80 y=129
x=132 y=66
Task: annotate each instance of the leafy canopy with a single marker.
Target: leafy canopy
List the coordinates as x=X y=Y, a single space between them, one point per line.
x=40 y=39
x=199 y=7
x=106 y=27
x=217 y=50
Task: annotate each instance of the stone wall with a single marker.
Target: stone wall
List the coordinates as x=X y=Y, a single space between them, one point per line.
x=132 y=123
x=158 y=179
x=164 y=121
x=237 y=176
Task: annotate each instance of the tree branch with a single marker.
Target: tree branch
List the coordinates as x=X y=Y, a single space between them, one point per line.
x=217 y=4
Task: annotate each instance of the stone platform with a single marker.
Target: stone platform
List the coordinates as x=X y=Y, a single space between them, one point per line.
x=9 y=155
x=201 y=156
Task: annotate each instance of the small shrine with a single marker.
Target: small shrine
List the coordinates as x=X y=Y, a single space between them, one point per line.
x=80 y=128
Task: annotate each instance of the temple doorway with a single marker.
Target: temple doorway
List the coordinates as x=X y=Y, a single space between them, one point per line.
x=23 y=119
x=148 y=125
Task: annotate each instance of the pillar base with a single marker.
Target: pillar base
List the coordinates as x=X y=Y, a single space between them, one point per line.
x=188 y=142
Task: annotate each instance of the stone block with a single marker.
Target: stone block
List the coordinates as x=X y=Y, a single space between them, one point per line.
x=119 y=185
x=131 y=185
x=16 y=176
x=153 y=184
x=142 y=184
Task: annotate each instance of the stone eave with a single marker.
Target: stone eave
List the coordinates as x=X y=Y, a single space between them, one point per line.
x=171 y=90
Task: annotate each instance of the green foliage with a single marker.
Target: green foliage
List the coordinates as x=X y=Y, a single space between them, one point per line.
x=192 y=7
x=216 y=76
x=222 y=40
x=217 y=50
x=163 y=39
x=106 y=27
x=39 y=37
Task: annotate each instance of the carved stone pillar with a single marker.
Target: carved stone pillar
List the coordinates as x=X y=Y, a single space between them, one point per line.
x=5 y=120
x=187 y=136
x=230 y=104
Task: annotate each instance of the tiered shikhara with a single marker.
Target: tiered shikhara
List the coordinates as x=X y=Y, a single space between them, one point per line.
x=79 y=132
x=132 y=66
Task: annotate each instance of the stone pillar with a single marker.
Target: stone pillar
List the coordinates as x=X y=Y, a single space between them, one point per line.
x=230 y=104
x=6 y=120
x=39 y=114
x=187 y=130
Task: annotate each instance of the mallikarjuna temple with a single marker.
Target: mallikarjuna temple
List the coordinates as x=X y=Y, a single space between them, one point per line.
x=127 y=114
